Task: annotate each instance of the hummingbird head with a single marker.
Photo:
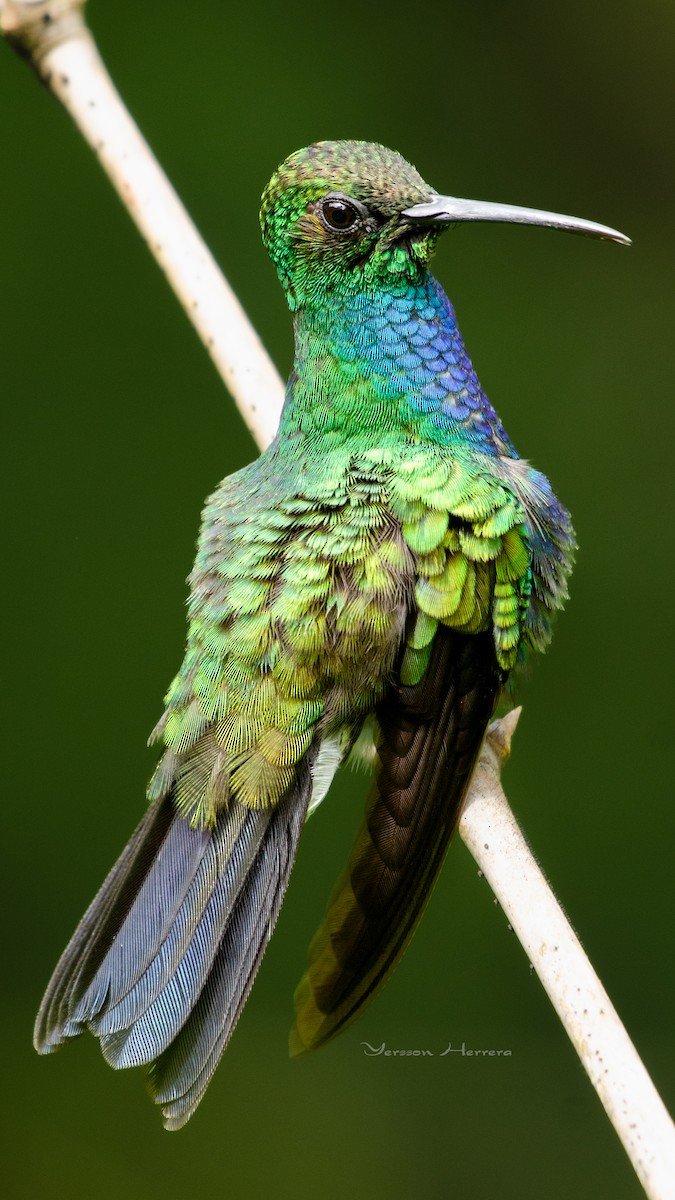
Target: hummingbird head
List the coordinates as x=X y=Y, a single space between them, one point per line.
x=332 y=217
x=354 y=216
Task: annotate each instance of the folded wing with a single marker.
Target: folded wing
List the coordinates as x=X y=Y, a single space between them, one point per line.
x=430 y=737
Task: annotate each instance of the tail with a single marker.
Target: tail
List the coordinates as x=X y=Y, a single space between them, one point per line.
x=162 y=962
x=430 y=738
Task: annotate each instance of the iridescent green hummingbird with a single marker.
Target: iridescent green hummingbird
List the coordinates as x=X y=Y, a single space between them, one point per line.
x=366 y=586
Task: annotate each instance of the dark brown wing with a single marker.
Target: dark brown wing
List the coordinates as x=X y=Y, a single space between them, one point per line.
x=430 y=738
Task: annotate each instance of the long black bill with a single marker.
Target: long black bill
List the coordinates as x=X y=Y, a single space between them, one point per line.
x=448 y=209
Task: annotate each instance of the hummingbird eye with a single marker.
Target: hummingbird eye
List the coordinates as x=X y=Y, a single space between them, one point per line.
x=338 y=214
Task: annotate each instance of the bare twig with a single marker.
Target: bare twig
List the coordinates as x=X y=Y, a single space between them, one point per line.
x=491 y=832
x=52 y=35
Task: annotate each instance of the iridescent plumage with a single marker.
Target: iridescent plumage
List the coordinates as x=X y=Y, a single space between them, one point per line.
x=383 y=565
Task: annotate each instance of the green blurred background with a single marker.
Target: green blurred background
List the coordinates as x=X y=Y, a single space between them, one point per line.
x=115 y=427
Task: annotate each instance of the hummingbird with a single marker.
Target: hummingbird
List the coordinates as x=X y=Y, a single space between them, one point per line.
x=364 y=588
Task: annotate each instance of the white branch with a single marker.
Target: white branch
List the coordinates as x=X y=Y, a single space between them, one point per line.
x=52 y=35
x=491 y=832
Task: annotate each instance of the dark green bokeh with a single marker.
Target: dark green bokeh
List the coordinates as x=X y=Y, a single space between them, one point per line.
x=116 y=427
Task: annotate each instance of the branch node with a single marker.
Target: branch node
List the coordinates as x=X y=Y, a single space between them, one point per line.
x=34 y=27
x=500 y=733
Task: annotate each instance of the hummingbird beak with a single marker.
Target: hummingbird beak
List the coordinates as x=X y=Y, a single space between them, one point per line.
x=450 y=209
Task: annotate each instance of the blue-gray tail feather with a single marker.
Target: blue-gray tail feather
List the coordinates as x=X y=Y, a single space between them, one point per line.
x=163 y=960
x=96 y=931
x=179 y=1076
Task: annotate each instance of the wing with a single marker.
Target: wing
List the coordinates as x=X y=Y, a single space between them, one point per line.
x=430 y=736
x=466 y=530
